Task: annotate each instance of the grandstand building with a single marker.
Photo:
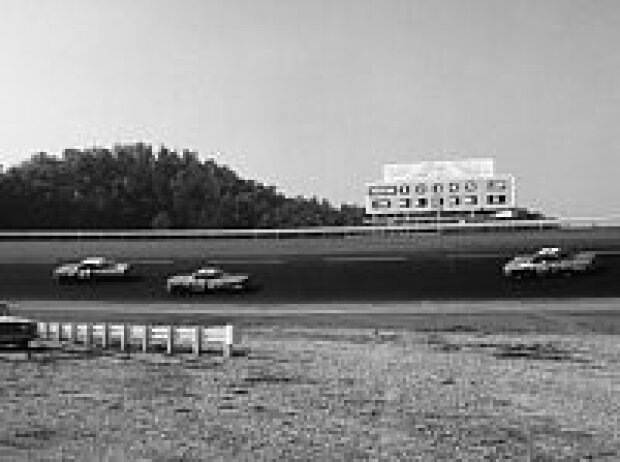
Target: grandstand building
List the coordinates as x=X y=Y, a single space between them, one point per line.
x=446 y=191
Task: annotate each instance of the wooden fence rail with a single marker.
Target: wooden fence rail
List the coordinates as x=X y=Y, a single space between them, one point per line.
x=145 y=335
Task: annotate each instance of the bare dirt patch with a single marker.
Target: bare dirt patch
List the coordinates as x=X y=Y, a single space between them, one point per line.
x=321 y=394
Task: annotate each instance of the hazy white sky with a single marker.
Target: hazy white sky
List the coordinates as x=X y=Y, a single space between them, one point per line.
x=315 y=95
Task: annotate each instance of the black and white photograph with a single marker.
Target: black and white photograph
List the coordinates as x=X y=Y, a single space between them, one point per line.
x=309 y=230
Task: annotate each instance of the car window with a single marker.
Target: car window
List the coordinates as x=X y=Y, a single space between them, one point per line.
x=203 y=276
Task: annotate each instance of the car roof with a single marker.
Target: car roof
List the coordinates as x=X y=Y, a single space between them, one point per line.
x=95 y=260
x=549 y=251
x=209 y=270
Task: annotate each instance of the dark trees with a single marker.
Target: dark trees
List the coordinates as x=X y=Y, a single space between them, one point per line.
x=130 y=186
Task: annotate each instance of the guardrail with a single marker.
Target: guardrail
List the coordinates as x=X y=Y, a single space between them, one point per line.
x=328 y=231
x=144 y=336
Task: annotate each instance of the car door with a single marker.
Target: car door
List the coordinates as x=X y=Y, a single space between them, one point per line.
x=215 y=280
x=537 y=265
x=84 y=271
x=551 y=263
x=200 y=283
x=100 y=269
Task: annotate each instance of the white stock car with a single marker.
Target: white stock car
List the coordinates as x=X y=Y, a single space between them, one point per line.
x=550 y=261
x=92 y=268
x=209 y=279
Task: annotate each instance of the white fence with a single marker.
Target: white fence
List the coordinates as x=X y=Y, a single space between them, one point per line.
x=145 y=336
x=326 y=231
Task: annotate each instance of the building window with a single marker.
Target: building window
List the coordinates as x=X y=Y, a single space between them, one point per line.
x=422 y=202
x=454 y=201
x=437 y=188
x=381 y=190
x=404 y=189
x=496 y=199
x=470 y=200
x=496 y=185
x=436 y=202
x=471 y=186
x=454 y=187
x=381 y=204
x=405 y=203
x=420 y=188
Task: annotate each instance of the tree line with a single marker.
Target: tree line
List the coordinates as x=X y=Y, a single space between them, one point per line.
x=133 y=187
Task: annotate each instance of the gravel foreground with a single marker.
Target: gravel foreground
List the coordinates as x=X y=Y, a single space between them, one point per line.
x=321 y=394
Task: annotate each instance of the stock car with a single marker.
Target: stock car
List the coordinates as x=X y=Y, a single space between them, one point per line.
x=208 y=279
x=92 y=268
x=551 y=261
x=15 y=330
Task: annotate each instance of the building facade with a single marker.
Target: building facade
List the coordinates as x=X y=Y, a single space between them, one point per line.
x=447 y=191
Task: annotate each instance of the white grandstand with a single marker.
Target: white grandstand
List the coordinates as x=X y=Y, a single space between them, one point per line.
x=447 y=191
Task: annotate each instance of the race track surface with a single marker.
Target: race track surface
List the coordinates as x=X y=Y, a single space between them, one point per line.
x=392 y=277
x=366 y=269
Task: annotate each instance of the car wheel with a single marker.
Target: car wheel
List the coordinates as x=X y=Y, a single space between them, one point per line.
x=175 y=290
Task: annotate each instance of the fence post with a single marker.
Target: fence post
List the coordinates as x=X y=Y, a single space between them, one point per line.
x=88 y=341
x=228 y=340
x=146 y=338
x=170 y=340
x=125 y=337
x=58 y=331
x=197 y=340
x=105 y=339
x=73 y=333
x=44 y=330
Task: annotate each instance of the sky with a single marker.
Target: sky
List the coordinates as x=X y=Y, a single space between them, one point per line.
x=314 y=96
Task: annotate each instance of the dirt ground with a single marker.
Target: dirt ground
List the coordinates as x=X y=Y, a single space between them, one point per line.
x=319 y=393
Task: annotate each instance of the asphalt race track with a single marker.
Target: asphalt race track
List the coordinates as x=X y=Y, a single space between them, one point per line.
x=394 y=276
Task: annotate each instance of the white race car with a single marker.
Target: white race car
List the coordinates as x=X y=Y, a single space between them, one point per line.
x=551 y=261
x=209 y=279
x=92 y=268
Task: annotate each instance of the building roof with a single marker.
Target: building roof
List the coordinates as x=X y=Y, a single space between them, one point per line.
x=442 y=169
